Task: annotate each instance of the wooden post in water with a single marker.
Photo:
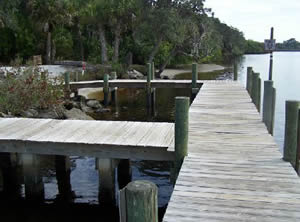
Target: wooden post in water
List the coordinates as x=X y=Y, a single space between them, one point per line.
x=271 y=56
x=107 y=182
x=269 y=105
x=138 y=202
x=298 y=145
x=194 y=80
x=63 y=172
x=106 y=89
x=291 y=131
x=235 y=71
x=67 y=85
x=249 y=80
x=181 y=131
x=149 y=90
x=113 y=90
x=152 y=71
x=34 y=186
x=256 y=90
x=124 y=173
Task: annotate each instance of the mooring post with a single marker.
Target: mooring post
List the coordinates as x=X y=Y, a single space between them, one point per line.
x=256 y=90
x=249 y=80
x=113 y=90
x=152 y=71
x=235 y=71
x=124 y=173
x=138 y=202
x=34 y=186
x=195 y=89
x=67 y=85
x=291 y=131
x=269 y=106
x=107 y=181
x=181 y=131
x=106 y=89
x=63 y=172
x=298 y=145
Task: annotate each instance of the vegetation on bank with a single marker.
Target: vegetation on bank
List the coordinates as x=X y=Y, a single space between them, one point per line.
x=116 y=32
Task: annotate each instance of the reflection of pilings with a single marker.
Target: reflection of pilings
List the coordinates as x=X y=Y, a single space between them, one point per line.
x=10 y=181
x=107 y=182
x=124 y=173
x=34 y=187
x=63 y=172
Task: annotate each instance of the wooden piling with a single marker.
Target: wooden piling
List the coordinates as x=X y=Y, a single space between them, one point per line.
x=124 y=173
x=181 y=130
x=138 y=202
x=269 y=105
x=298 y=145
x=34 y=186
x=235 y=71
x=291 y=129
x=152 y=71
x=107 y=182
x=256 y=90
x=113 y=90
x=106 y=89
x=63 y=172
x=249 y=80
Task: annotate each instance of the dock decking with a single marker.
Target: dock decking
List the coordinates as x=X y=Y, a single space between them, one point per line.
x=234 y=170
x=104 y=139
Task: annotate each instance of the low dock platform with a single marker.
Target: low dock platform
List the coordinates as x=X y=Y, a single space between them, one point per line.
x=234 y=170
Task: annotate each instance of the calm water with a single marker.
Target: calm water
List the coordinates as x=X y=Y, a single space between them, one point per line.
x=286 y=77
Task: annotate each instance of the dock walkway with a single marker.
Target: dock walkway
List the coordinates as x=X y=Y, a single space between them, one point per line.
x=234 y=170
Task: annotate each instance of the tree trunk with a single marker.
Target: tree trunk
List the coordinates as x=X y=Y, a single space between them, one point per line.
x=53 y=52
x=155 y=50
x=163 y=66
x=117 y=42
x=48 y=48
x=104 y=58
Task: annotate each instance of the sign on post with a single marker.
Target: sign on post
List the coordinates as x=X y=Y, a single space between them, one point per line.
x=270 y=44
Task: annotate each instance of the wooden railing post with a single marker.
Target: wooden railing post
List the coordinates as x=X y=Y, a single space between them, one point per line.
x=138 y=202
x=181 y=130
x=249 y=80
x=106 y=89
x=291 y=131
x=269 y=105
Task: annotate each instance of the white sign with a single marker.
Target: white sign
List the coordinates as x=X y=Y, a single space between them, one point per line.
x=270 y=44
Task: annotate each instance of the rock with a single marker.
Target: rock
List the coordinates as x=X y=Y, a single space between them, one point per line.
x=31 y=113
x=52 y=113
x=94 y=104
x=133 y=74
x=76 y=114
x=86 y=109
x=3 y=115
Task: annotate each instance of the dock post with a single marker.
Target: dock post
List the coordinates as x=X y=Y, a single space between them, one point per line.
x=63 y=172
x=195 y=89
x=235 y=71
x=249 y=80
x=34 y=187
x=269 y=105
x=291 y=131
x=181 y=131
x=152 y=71
x=256 y=90
x=67 y=85
x=138 y=202
x=149 y=90
x=124 y=173
x=107 y=182
x=298 y=145
x=113 y=90
x=106 y=88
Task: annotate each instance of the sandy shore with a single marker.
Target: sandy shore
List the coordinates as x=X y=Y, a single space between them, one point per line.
x=171 y=73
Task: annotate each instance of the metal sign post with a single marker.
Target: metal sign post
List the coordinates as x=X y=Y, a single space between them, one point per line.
x=270 y=45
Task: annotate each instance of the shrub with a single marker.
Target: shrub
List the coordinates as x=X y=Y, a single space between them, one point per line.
x=29 y=89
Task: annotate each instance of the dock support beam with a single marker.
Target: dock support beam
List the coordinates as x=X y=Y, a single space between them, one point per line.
x=181 y=131
x=249 y=80
x=107 y=181
x=34 y=187
x=138 y=202
x=269 y=105
x=291 y=131
x=63 y=172
x=256 y=90
x=106 y=89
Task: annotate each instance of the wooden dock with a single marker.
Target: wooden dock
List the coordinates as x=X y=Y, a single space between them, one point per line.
x=103 y=139
x=234 y=170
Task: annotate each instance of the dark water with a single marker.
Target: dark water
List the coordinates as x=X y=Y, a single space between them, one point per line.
x=84 y=177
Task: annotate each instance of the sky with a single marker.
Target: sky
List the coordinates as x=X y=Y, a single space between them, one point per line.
x=256 y=17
